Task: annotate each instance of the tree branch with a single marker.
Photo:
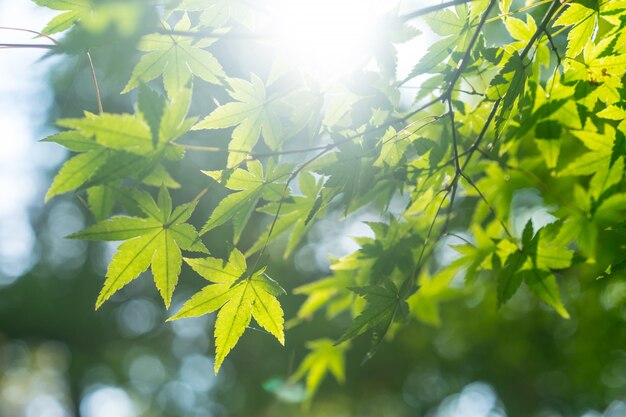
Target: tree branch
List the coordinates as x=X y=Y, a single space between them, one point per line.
x=27 y=45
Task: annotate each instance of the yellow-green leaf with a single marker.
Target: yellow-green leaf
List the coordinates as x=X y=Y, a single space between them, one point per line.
x=76 y=171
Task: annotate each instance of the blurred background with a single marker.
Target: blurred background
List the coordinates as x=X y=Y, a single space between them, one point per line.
x=60 y=358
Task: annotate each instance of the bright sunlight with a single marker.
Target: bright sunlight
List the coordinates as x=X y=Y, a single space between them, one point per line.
x=327 y=38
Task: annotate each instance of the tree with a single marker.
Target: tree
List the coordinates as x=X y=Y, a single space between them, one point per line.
x=508 y=164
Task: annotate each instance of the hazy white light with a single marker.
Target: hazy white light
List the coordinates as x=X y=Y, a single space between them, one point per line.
x=107 y=402
x=326 y=37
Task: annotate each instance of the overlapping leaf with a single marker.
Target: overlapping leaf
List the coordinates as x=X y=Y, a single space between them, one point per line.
x=176 y=58
x=583 y=21
x=73 y=11
x=533 y=264
x=253 y=114
x=296 y=215
x=383 y=306
x=94 y=16
x=598 y=158
x=250 y=187
x=114 y=146
x=239 y=298
x=325 y=358
x=153 y=241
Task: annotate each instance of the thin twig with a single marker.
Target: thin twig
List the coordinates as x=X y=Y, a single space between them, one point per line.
x=55 y=46
x=554 y=48
x=489 y=206
x=92 y=70
x=27 y=45
x=34 y=32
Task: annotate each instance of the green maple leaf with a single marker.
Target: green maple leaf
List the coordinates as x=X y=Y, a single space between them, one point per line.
x=113 y=146
x=217 y=13
x=354 y=177
x=552 y=251
x=520 y=30
x=106 y=167
x=393 y=247
x=509 y=278
x=541 y=252
x=583 y=21
x=325 y=357
x=155 y=126
x=603 y=72
x=330 y=292
x=295 y=215
x=449 y=23
x=543 y=284
x=253 y=114
x=238 y=298
x=102 y=142
x=509 y=86
x=127 y=132
x=73 y=11
x=436 y=54
x=251 y=186
x=156 y=240
x=101 y=200
x=598 y=158
x=383 y=304
x=433 y=290
x=177 y=59
x=393 y=147
x=615 y=113
x=94 y=16
x=167 y=119
x=76 y=171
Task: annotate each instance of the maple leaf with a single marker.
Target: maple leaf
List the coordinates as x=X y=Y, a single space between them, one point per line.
x=112 y=146
x=600 y=146
x=325 y=357
x=73 y=11
x=238 y=297
x=532 y=264
x=94 y=16
x=176 y=58
x=76 y=171
x=155 y=240
x=543 y=284
x=254 y=115
x=295 y=215
x=330 y=292
x=355 y=178
x=583 y=21
x=155 y=126
x=383 y=304
x=217 y=13
x=392 y=247
x=433 y=290
x=509 y=279
x=251 y=186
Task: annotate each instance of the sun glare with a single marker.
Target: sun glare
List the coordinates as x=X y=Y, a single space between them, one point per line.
x=327 y=38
